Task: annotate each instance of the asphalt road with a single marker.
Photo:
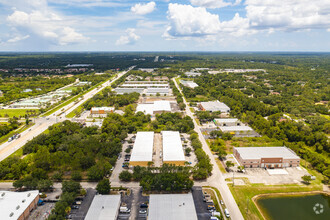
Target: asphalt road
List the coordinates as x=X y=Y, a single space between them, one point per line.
x=42 y=123
x=216 y=180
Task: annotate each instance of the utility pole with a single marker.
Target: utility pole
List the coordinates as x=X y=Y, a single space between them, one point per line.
x=233 y=178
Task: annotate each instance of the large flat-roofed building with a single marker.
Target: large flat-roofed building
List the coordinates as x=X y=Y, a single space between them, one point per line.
x=101 y=111
x=17 y=205
x=145 y=85
x=172 y=207
x=142 y=149
x=240 y=131
x=157 y=107
x=172 y=148
x=161 y=106
x=227 y=122
x=104 y=207
x=192 y=74
x=189 y=84
x=156 y=91
x=214 y=106
x=269 y=157
x=128 y=90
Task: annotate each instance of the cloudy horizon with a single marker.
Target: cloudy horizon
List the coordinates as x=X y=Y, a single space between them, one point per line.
x=165 y=25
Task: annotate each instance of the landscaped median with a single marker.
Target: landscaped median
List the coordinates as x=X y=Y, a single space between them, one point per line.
x=244 y=195
x=19 y=130
x=74 y=98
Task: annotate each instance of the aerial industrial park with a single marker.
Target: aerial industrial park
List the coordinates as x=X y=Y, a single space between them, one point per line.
x=164 y=110
x=169 y=154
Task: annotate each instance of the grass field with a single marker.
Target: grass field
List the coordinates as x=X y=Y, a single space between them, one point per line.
x=70 y=88
x=14 y=112
x=243 y=195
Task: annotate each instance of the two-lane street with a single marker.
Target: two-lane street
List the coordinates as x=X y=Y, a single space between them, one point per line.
x=216 y=180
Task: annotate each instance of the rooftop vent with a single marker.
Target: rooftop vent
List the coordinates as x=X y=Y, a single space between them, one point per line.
x=3 y=194
x=17 y=207
x=23 y=200
x=29 y=194
x=11 y=214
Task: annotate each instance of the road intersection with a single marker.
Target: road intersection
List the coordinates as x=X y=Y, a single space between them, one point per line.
x=42 y=123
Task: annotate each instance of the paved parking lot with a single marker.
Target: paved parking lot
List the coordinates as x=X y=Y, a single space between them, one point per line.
x=127 y=199
x=79 y=214
x=114 y=179
x=260 y=175
x=200 y=205
x=192 y=159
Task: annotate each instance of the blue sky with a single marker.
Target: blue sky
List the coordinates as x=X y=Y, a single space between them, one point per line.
x=164 y=25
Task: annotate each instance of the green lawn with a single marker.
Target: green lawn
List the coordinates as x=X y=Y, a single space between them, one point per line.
x=79 y=109
x=70 y=88
x=15 y=112
x=244 y=194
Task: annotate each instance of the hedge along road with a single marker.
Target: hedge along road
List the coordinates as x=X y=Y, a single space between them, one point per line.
x=42 y=123
x=216 y=180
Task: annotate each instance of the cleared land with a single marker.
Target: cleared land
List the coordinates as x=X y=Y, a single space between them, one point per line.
x=15 y=112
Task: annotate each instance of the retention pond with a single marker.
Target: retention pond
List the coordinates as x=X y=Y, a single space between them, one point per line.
x=295 y=206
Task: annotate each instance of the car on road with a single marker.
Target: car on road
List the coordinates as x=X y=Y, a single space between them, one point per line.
x=227 y=213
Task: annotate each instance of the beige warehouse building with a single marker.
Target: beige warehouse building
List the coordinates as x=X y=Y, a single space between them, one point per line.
x=172 y=148
x=142 y=149
x=266 y=157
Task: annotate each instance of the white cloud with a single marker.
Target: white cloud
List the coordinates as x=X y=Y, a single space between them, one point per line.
x=35 y=19
x=237 y=26
x=45 y=24
x=17 y=38
x=288 y=15
x=129 y=38
x=142 y=9
x=187 y=21
x=214 y=3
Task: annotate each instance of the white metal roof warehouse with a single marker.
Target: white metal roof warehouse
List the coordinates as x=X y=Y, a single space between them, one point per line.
x=172 y=148
x=162 y=106
x=142 y=149
x=17 y=205
x=156 y=107
x=214 y=106
x=172 y=207
x=250 y=153
x=104 y=207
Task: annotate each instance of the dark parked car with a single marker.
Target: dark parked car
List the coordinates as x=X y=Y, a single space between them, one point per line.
x=143 y=206
x=74 y=207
